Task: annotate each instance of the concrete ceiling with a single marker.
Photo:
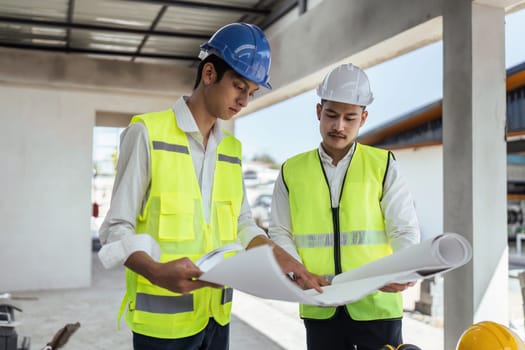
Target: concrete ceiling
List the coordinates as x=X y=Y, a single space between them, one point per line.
x=306 y=42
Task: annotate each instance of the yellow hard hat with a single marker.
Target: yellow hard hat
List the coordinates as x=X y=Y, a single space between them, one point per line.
x=488 y=335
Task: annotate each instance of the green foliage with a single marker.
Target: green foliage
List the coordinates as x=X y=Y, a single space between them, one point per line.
x=267 y=159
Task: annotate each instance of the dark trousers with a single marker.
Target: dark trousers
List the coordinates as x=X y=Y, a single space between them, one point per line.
x=213 y=337
x=341 y=332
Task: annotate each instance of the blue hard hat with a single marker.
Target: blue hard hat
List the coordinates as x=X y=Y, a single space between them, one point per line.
x=243 y=47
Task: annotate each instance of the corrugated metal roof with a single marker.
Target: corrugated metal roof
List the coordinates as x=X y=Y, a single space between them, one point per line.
x=141 y=30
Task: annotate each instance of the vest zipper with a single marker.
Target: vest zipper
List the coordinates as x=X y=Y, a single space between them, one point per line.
x=337 y=224
x=335 y=220
x=337 y=241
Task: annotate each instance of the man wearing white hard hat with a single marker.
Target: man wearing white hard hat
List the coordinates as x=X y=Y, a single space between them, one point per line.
x=340 y=206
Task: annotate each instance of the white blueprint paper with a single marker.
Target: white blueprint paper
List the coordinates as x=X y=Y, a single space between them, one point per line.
x=216 y=256
x=257 y=272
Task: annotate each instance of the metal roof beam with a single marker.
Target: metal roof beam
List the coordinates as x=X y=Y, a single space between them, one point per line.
x=84 y=26
x=70 y=12
x=156 y=21
x=207 y=6
x=97 y=52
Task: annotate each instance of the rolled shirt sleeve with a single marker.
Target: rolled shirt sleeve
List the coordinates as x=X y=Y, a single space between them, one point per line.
x=130 y=188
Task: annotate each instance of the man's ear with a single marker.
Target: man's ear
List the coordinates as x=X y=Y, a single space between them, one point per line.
x=208 y=74
x=318 y=109
x=363 y=118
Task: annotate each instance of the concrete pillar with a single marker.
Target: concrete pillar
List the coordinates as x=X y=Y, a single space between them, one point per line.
x=474 y=161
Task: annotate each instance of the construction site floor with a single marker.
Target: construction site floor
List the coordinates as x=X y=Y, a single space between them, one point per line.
x=256 y=323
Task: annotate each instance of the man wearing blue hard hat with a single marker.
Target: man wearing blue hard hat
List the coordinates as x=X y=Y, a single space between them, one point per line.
x=179 y=194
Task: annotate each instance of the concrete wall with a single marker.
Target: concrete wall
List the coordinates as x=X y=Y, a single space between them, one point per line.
x=46 y=151
x=423 y=170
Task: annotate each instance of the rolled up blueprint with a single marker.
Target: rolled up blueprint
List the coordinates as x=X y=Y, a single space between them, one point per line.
x=441 y=253
x=432 y=257
x=257 y=272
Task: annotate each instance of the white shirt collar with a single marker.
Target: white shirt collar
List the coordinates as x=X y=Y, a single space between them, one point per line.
x=327 y=159
x=186 y=121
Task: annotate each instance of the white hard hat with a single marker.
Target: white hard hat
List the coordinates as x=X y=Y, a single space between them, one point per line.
x=347 y=84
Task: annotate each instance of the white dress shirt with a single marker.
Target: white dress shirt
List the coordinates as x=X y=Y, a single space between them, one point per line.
x=132 y=185
x=401 y=223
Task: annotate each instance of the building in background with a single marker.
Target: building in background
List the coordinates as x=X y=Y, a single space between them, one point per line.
x=416 y=139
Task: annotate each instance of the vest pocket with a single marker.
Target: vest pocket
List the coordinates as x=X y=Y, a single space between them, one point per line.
x=226 y=221
x=176 y=218
x=221 y=304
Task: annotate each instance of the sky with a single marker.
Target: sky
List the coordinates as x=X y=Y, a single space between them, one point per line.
x=399 y=86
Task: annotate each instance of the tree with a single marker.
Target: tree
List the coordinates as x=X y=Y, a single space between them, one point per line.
x=267 y=159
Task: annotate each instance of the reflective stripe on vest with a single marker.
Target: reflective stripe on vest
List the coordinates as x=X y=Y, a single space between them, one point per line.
x=173 y=304
x=228 y=159
x=158 y=145
x=346 y=239
x=333 y=240
x=170 y=147
x=173 y=216
x=164 y=304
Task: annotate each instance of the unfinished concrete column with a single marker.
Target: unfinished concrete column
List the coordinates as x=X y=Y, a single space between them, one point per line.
x=475 y=163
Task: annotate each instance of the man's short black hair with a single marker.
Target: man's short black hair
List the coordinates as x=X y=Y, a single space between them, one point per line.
x=220 y=67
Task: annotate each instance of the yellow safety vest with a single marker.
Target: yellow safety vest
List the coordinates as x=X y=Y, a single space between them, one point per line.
x=173 y=216
x=334 y=240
